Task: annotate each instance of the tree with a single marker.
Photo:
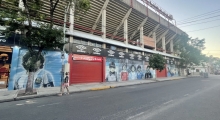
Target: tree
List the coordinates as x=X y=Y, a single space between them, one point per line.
x=156 y=61
x=190 y=51
x=44 y=35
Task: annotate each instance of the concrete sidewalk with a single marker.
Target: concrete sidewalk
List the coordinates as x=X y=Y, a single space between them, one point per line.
x=6 y=96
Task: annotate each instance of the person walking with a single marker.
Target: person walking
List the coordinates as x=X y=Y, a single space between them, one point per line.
x=65 y=84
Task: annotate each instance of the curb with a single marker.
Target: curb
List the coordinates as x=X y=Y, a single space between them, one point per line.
x=7 y=100
x=92 y=89
x=100 y=88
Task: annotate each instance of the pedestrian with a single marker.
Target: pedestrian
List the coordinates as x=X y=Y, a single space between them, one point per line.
x=65 y=84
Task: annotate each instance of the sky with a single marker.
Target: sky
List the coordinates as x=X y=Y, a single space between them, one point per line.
x=187 y=9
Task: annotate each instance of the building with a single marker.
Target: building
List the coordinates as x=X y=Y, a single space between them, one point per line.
x=112 y=42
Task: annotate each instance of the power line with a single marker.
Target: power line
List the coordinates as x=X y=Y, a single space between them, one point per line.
x=200 y=23
x=199 y=20
x=211 y=12
x=204 y=28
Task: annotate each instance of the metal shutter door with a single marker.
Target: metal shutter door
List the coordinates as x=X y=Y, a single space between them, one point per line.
x=85 y=72
x=163 y=73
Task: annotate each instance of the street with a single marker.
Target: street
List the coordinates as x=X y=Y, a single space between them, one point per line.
x=193 y=98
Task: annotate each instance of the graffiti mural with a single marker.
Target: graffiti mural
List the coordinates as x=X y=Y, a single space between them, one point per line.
x=149 y=72
x=47 y=74
x=124 y=69
x=172 y=71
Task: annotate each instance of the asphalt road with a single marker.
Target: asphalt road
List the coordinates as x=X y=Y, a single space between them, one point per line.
x=187 y=99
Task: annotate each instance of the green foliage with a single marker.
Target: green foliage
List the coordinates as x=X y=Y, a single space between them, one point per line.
x=190 y=51
x=30 y=59
x=44 y=35
x=156 y=61
x=81 y=8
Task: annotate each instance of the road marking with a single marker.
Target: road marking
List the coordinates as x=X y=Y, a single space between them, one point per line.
x=186 y=95
x=19 y=104
x=49 y=104
x=131 y=117
x=168 y=102
x=93 y=96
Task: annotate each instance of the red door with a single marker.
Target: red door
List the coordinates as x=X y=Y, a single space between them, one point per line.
x=163 y=73
x=86 y=70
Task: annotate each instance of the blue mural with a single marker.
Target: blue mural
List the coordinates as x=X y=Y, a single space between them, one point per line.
x=149 y=72
x=172 y=71
x=124 y=69
x=48 y=70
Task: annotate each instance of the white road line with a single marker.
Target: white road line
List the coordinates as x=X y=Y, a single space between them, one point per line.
x=186 y=95
x=19 y=104
x=131 y=117
x=168 y=102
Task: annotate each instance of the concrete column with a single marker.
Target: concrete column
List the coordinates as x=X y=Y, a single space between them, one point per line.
x=71 y=39
x=155 y=40
x=126 y=31
x=71 y=18
x=104 y=24
x=126 y=49
x=171 y=46
x=142 y=37
x=163 y=44
x=104 y=45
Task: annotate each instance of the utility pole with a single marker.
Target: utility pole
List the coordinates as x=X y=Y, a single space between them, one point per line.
x=63 y=52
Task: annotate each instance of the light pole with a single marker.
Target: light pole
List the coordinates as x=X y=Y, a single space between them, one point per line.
x=63 y=52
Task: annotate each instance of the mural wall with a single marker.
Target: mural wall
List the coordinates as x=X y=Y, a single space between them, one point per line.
x=149 y=72
x=48 y=70
x=172 y=70
x=125 y=69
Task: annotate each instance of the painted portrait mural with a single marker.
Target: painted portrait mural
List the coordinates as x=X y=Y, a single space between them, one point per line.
x=124 y=70
x=47 y=74
x=149 y=72
x=172 y=71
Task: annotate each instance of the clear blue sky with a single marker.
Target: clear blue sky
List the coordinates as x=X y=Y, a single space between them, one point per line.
x=183 y=9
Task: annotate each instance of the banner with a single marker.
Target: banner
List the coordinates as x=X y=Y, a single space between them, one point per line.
x=95 y=51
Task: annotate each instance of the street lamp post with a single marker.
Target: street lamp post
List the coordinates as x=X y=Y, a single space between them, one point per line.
x=63 y=52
